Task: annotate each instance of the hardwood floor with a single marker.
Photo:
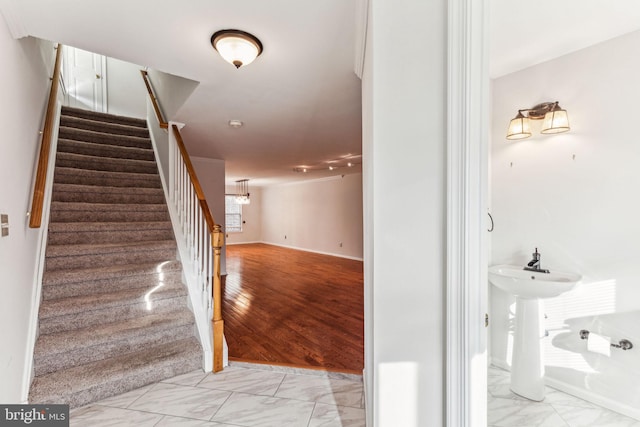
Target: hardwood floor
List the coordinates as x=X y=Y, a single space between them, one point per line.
x=285 y=306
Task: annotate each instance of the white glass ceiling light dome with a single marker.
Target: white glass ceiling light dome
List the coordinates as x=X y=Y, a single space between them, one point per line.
x=236 y=47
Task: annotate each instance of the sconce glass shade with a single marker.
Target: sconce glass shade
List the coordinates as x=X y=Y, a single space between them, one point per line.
x=555 y=121
x=236 y=47
x=519 y=127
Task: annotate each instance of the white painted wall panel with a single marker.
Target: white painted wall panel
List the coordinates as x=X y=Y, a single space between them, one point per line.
x=404 y=119
x=315 y=215
x=126 y=93
x=210 y=173
x=24 y=84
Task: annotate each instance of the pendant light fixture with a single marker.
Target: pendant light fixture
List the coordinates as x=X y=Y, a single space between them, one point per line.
x=236 y=47
x=242 y=192
x=554 y=120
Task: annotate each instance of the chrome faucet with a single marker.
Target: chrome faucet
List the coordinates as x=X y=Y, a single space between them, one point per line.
x=534 y=264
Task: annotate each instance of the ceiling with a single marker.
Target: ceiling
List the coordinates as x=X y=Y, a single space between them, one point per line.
x=300 y=100
x=525 y=33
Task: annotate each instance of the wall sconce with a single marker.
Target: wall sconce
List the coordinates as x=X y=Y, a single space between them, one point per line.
x=554 y=120
x=242 y=192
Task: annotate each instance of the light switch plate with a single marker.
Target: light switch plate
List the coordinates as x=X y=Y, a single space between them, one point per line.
x=4 y=225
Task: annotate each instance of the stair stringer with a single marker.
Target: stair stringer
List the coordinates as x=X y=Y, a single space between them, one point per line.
x=203 y=317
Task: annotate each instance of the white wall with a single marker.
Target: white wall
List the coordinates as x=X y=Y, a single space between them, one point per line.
x=404 y=146
x=24 y=84
x=210 y=173
x=251 y=217
x=171 y=91
x=574 y=196
x=126 y=92
x=323 y=215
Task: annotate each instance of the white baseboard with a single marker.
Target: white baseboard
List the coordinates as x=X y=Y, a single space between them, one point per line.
x=367 y=412
x=312 y=251
x=240 y=243
x=581 y=393
x=592 y=397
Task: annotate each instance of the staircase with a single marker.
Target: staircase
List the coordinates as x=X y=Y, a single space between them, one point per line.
x=114 y=313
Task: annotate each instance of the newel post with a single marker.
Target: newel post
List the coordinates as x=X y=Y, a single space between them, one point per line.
x=217 y=240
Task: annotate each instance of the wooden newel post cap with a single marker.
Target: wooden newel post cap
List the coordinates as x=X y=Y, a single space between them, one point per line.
x=217 y=237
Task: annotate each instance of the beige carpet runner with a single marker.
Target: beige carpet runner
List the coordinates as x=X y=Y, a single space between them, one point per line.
x=114 y=313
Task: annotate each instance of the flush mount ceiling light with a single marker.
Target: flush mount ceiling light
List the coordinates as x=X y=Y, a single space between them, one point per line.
x=235 y=123
x=236 y=47
x=554 y=120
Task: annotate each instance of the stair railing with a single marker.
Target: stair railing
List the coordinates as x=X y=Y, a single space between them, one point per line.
x=203 y=235
x=154 y=100
x=42 y=169
x=200 y=239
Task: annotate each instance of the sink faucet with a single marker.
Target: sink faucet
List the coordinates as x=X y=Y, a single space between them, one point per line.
x=534 y=264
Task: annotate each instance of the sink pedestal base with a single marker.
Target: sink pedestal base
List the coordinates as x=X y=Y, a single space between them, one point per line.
x=527 y=367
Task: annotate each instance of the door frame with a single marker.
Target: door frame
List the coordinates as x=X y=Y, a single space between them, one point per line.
x=467 y=188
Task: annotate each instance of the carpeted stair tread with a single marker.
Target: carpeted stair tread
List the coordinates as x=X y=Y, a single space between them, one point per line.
x=137 y=254
x=64 y=233
x=65 y=349
x=60 y=342
x=103 y=127
x=53 y=278
x=83 y=161
x=89 y=281
x=100 y=194
x=79 y=304
x=66 y=175
x=104 y=150
x=108 y=248
x=77 y=211
x=102 y=138
x=81 y=188
x=94 y=381
x=105 y=117
x=98 y=254
x=106 y=227
x=100 y=315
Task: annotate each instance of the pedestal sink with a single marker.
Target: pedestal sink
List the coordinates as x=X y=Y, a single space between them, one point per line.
x=527 y=367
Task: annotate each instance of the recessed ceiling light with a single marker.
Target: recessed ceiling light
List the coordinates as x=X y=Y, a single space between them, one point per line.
x=235 y=124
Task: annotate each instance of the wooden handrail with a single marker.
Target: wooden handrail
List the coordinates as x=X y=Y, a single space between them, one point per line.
x=194 y=179
x=154 y=101
x=37 y=203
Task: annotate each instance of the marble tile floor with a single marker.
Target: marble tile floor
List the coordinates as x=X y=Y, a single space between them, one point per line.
x=242 y=395
x=506 y=409
x=246 y=395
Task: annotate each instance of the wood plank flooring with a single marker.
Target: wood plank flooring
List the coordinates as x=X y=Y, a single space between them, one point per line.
x=285 y=306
